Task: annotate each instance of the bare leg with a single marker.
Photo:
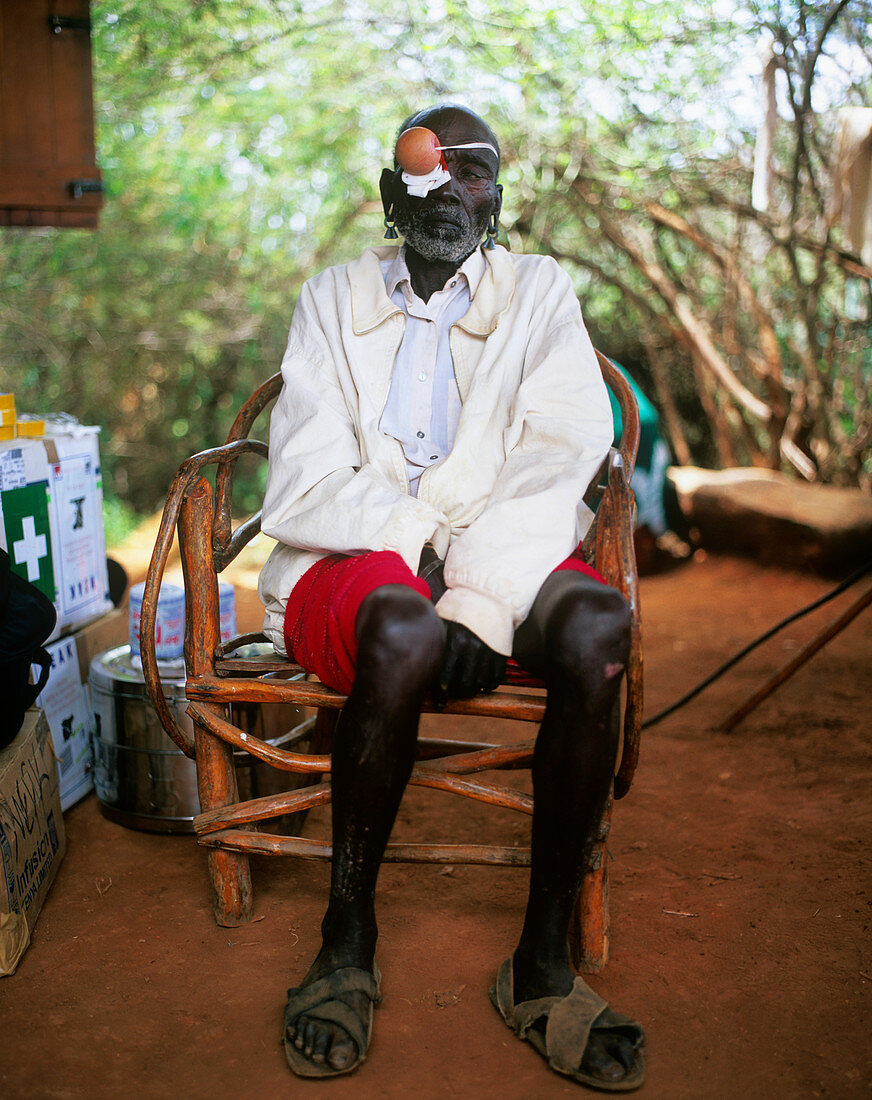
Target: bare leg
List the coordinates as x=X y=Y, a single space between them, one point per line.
x=577 y=639
x=399 y=650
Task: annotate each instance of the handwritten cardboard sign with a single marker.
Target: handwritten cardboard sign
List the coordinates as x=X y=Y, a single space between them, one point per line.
x=32 y=840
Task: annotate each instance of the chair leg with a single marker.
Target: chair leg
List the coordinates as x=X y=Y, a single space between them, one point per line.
x=322 y=735
x=320 y=744
x=229 y=872
x=589 y=927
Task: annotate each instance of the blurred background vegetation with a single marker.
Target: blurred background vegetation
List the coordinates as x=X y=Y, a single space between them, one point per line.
x=241 y=145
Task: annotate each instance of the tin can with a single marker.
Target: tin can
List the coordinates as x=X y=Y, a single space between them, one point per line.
x=227 y=610
x=169 y=630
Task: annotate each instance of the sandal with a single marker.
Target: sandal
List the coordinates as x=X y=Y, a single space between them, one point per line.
x=570 y=1020
x=322 y=1000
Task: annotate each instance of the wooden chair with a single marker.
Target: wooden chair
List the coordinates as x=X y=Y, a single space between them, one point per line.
x=217 y=676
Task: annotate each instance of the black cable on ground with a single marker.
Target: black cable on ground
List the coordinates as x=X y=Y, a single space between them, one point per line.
x=692 y=694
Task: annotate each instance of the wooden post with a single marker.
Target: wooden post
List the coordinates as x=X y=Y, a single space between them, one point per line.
x=216 y=777
x=797 y=661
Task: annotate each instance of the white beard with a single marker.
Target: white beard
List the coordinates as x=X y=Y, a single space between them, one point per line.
x=451 y=244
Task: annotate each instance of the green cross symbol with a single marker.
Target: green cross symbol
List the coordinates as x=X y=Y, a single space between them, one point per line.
x=28 y=535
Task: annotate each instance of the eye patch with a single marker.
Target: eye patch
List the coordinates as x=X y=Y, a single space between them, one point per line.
x=422 y=159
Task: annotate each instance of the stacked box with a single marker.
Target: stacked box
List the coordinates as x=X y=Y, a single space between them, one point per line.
x=51 y=521
x=66 y=700
x=32 y=840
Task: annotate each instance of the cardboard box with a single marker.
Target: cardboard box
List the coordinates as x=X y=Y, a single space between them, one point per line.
x=51 y=521
x=32 y=841
x=66 y=700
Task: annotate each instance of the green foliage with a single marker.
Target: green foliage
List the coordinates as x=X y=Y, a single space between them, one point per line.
x=119 y=520
x=241 y=146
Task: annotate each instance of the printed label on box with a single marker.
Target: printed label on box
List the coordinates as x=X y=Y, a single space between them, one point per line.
x=51 y=500
x=82 y=563
x=67 y=708
x=12 y=472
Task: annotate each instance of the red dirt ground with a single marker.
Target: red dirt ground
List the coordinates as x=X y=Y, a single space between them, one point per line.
x=740 y=907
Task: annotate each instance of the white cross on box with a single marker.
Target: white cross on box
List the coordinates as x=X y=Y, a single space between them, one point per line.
x=30 y=549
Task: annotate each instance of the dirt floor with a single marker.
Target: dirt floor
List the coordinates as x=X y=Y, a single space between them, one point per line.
x=740 y=906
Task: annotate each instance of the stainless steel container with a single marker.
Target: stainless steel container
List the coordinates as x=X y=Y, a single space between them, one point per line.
x=143 y=781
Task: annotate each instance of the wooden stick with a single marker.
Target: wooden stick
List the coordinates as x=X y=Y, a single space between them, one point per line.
x=208 y=688
x=269 y=754
x=268 y=844
x=216 y=776
x=275 y=805
x=506 y=797
x=796 y=662
x=261 y=809
x=484 y=759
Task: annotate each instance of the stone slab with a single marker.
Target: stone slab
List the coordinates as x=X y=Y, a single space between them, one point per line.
x=776 y=519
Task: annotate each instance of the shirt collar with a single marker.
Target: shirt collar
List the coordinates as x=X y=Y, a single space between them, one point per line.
x=472 y=269
x=370 y=305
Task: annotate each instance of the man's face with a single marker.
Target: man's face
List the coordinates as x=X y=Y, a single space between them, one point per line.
x=449 y=223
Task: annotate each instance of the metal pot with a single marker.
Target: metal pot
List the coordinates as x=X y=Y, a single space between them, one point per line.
x=143 y=780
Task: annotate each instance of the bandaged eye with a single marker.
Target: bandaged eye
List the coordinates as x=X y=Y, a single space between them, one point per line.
x=422 y=160
x=418 y=151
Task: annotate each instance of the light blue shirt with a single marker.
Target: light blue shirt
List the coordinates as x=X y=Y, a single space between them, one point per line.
x=423 y=404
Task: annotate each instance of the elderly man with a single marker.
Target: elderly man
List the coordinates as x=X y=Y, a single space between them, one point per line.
x=441 y=417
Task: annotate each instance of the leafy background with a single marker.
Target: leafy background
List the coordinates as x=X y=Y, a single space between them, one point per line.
x=241 y=145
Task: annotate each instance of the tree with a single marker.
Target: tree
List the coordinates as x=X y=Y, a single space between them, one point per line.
x=242 y=143
x=757 y=303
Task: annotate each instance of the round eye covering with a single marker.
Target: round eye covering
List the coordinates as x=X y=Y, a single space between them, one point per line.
x=421 y=158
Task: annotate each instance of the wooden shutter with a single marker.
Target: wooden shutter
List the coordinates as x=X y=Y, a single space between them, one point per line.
x=48 y=171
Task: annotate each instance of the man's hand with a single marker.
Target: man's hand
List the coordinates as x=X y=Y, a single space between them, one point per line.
x=468 y=666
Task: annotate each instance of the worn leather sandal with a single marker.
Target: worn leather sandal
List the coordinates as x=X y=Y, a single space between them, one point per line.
x=570 y=1020
x=322 y=1000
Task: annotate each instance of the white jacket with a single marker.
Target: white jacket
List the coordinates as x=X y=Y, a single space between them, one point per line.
x=504 y=507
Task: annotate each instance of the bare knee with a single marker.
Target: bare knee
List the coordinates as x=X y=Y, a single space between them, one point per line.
x=588 y=637
x=399 y=636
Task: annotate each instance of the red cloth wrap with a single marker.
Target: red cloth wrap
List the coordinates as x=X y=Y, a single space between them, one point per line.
x=576 y=563
x=519 y=677
x=322 y=609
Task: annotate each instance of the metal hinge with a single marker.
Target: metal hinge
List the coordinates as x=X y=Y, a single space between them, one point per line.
x=77 y=188
x=61 y=23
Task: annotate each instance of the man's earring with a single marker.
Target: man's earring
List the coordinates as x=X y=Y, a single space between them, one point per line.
x=391 y=233
x=492 y=231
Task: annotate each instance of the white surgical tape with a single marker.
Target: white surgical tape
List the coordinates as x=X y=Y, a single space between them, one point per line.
x=420 y=186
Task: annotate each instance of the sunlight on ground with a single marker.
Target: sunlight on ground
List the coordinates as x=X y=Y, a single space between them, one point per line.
x=134 y=553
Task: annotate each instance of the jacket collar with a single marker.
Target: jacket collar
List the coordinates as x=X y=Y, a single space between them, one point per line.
x=371 y=306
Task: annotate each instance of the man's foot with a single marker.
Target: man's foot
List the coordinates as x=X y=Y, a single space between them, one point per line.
x=328 y=1019
x=596 y=1046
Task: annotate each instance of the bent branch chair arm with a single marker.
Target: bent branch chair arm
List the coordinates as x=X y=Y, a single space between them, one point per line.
x=188 y=474
x=631 y=425
x=222 y=523
x=616 y=551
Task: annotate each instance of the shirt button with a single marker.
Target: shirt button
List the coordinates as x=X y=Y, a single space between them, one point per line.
x=420 y=435
x=433 y=458
x=453 y=283
x=422 y=377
